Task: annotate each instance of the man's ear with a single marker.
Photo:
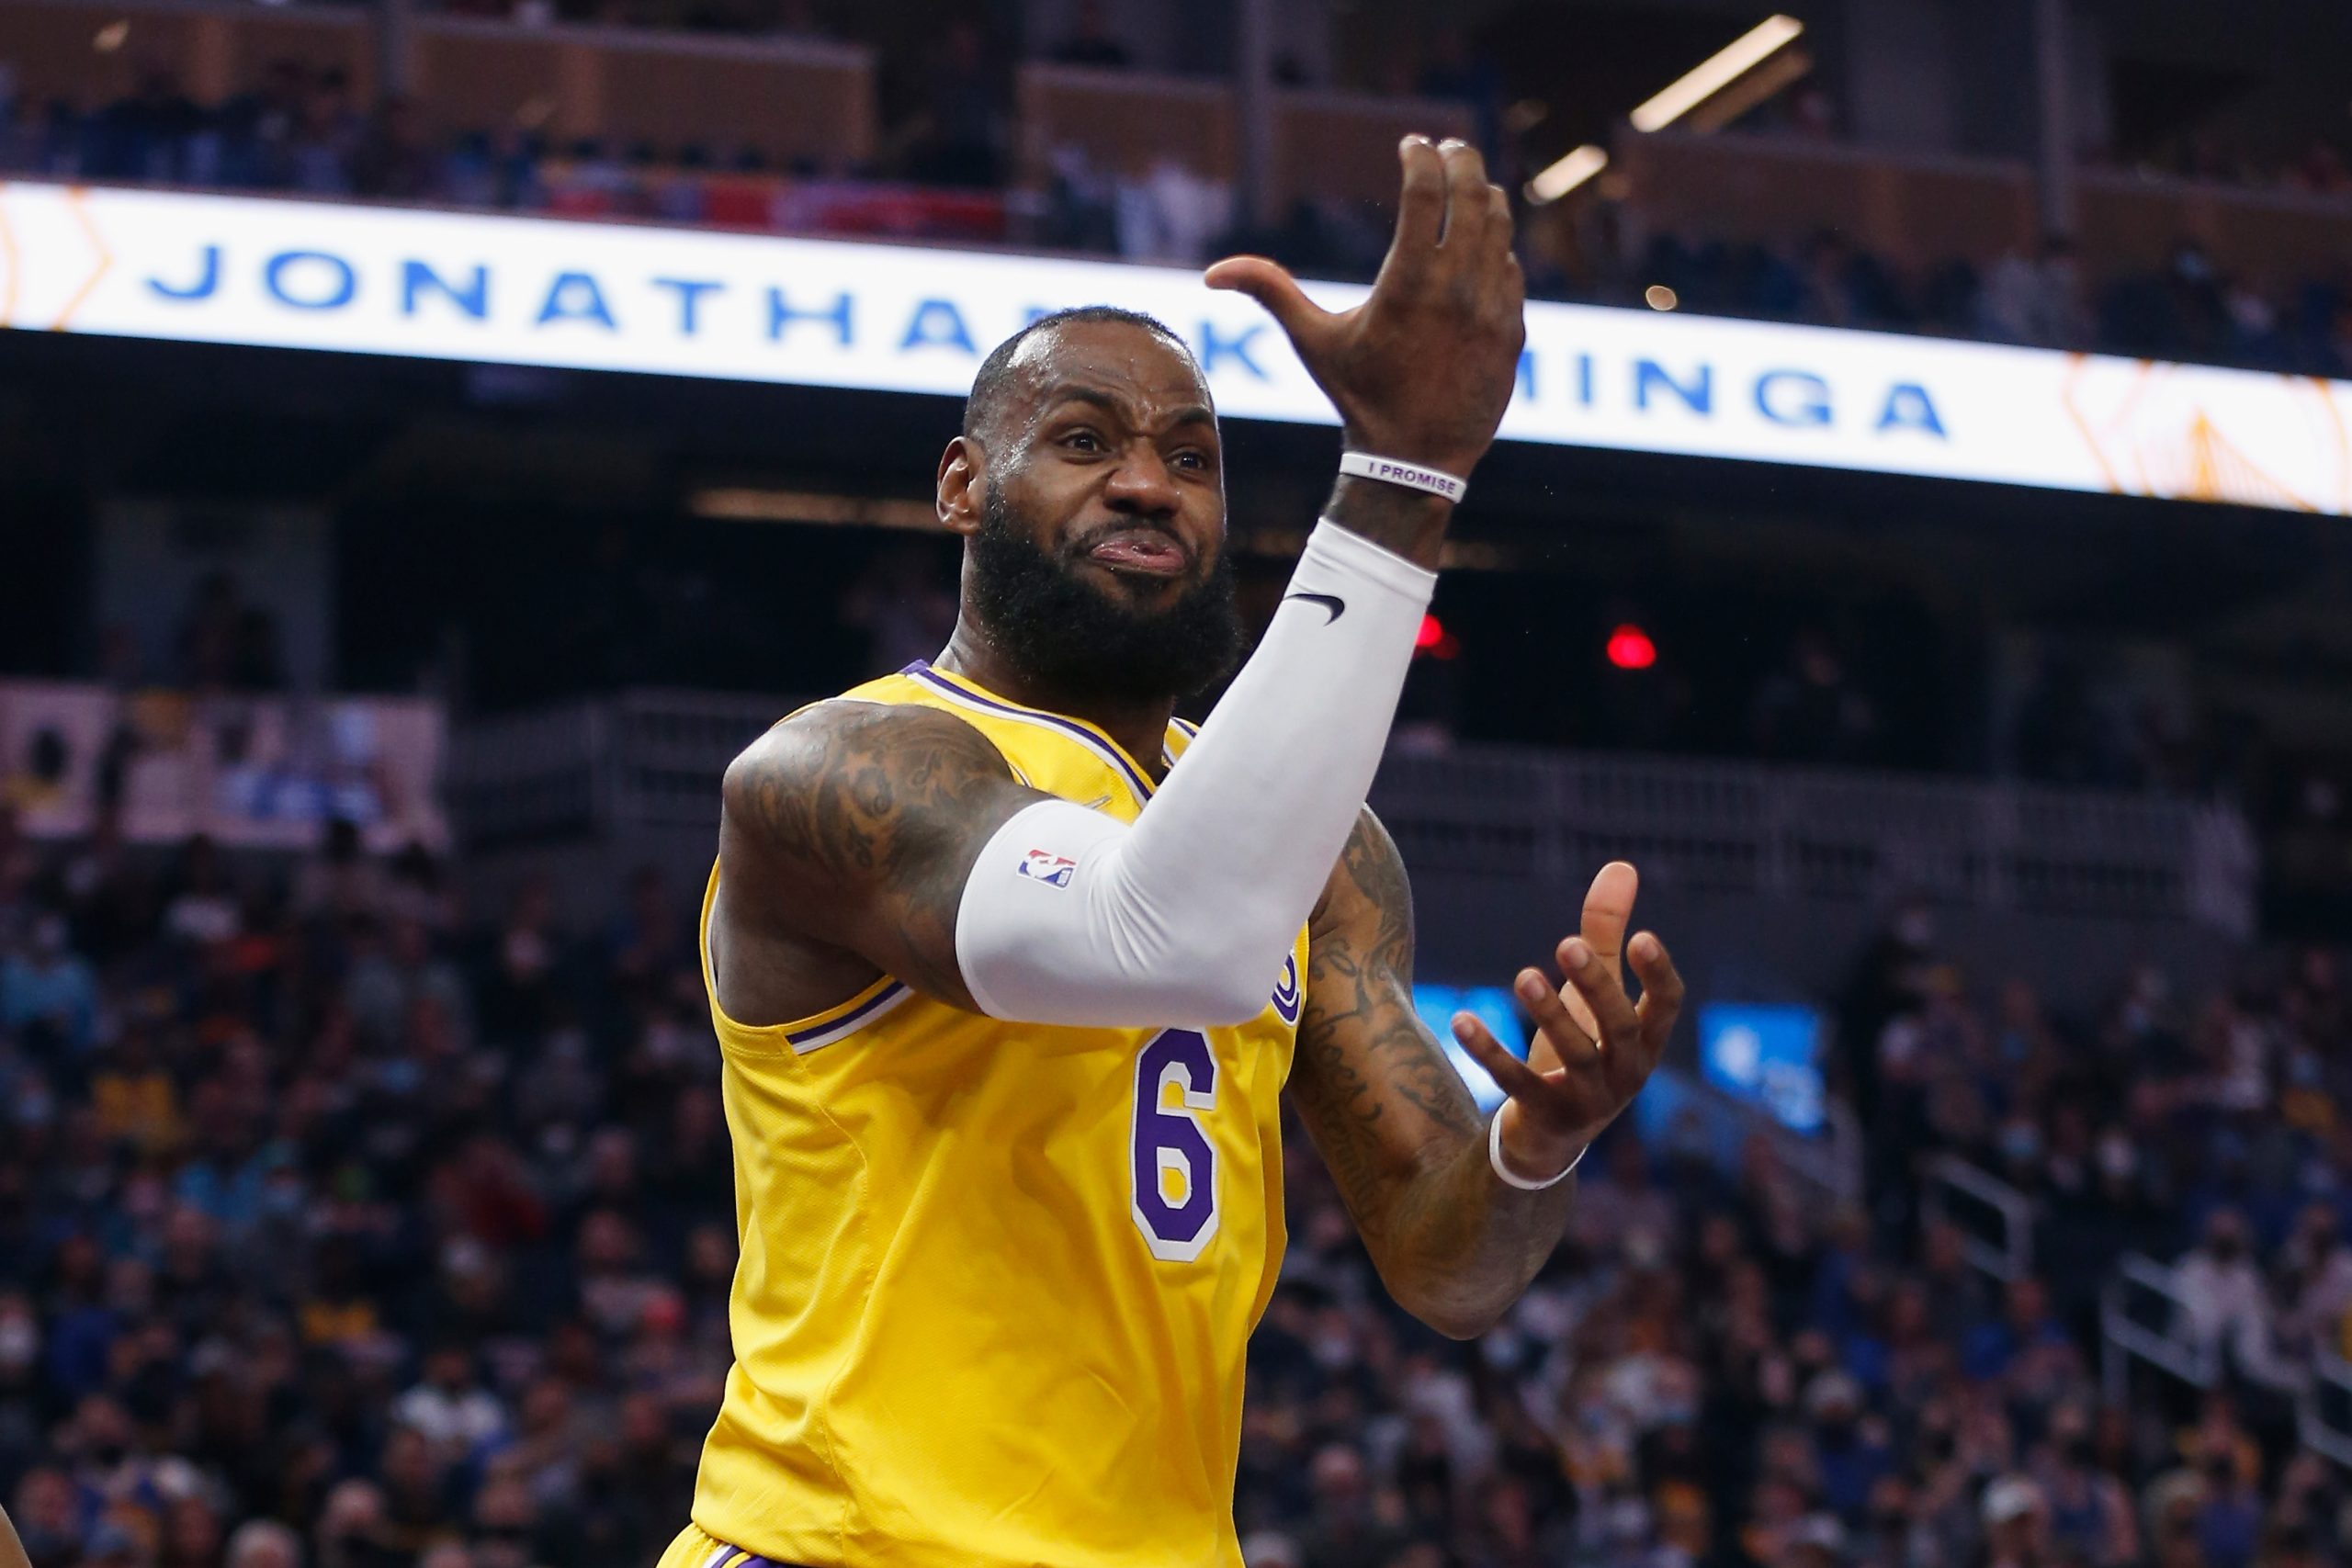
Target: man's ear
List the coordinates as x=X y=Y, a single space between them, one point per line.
x=959 y=490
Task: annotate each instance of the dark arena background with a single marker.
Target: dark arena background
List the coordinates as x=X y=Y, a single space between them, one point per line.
x=436 y=437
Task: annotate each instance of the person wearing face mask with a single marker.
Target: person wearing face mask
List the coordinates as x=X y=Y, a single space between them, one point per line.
x=2318 y=1270
x=1887 y=981
x=52 y=986
x=2089 y=1510
x=21 y=1391
x=2224 y=1293
x=2017 y=1524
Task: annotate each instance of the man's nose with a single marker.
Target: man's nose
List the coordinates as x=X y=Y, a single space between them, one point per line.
x=1141 y=484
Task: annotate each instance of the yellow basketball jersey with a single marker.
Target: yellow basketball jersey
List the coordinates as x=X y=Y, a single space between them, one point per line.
x=997 y=1279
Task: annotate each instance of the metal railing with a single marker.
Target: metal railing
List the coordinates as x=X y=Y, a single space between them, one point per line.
x=1680 y=1108
x=1761 y=830
x=540 y=774
x=2143 y=1316
x=1993 y=1219
x=646 y=757
x=654 y=756
x=2323 y=1412
x=1833 y=1161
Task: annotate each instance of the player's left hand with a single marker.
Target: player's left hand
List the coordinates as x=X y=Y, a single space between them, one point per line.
x=1594 y=1047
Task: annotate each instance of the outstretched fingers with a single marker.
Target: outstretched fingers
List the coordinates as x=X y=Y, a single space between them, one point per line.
x=1277 y=292
x=1625 y=1059
x=1420 y=210
x=1602 y=991
x=1469 y=214
x=1661 y=995
x=1571 y=1036
x=1513 y=1076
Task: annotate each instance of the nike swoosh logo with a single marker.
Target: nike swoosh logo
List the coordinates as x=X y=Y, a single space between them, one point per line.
x=1332 y=602
x=1097 y=804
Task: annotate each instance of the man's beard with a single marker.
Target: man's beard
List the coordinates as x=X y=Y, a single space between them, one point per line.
x=1067 y=636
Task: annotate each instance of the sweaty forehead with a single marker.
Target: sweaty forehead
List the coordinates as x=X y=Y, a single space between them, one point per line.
x=1143 y=372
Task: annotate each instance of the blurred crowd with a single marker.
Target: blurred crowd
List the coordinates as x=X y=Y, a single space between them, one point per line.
x=337 y=1230
x=1729 y=1366
x=345 y=1226
x=2189 y=309
x=943 y=174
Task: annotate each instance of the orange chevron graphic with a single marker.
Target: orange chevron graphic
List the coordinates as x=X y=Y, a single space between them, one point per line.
x=2335 y=425
x=75 y=198
x=2148 y=444
x=2075 y=364
x=2217 y=470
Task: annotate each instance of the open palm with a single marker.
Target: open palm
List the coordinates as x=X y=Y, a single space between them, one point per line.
x=1594 y=1047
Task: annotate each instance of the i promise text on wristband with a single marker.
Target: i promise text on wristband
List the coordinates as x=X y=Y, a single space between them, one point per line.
x=1395 y=471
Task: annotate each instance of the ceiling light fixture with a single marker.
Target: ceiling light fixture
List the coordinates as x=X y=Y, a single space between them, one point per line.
x=1564 y=176
x=1718 y=70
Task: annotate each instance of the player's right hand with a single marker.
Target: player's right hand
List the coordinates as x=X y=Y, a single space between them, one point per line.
x=1422 y=370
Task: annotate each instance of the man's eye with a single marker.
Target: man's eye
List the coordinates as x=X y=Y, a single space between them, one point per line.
x=1084 y=440
x=1194 y=460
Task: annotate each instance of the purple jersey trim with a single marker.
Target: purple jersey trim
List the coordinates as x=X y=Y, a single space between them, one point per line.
x=921 y=670
x=887 y=995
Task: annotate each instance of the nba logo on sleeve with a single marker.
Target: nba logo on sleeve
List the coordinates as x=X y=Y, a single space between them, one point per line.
x=1044 y=865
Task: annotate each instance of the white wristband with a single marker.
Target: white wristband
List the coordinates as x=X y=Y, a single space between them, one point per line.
x=1494 y=1159
x=1412 y=475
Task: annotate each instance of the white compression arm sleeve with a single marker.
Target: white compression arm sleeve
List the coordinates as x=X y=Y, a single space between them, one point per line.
x=1184 y=919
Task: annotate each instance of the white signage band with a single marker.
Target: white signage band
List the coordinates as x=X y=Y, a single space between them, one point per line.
x=575 y=295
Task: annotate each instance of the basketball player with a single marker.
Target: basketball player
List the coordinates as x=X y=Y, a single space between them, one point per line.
x=1007 y=965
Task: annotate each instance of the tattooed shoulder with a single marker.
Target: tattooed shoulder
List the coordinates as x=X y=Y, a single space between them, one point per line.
x=848 y=794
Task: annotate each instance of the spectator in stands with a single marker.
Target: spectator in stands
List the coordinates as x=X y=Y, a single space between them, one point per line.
x=2315 y=1280
x=258 y=129
x=2037 y=299
x=326 y=138
x=144 y=137
x=1173 y=215
x=959 y=137
x=391 y=160
x=2017 y=1524
x=1090 y=40
x=449 y=1408
x=2090 y=1511
x=654 y=944
x=341 y=882
x=2227 y=1301
x=2228 y=1517
x=48 y=992
x=203 y=908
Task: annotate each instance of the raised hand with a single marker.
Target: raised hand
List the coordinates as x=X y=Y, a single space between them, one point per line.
x=1594 y=1047
x=1424 y=367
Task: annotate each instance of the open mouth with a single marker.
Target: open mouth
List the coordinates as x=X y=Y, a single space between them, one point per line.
x=1146 y=552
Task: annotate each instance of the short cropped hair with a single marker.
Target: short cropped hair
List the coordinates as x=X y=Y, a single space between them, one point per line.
x=989 y=386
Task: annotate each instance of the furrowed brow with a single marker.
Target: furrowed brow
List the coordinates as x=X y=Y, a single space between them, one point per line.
x=1061 y=397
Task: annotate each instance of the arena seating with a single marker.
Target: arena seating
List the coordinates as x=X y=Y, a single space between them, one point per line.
x=330 y=1206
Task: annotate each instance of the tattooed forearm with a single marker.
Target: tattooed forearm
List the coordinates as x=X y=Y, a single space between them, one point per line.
x=864 y=818
x=1391 y=1117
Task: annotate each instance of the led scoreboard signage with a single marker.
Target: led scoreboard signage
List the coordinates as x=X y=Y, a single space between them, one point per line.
x=551 y=292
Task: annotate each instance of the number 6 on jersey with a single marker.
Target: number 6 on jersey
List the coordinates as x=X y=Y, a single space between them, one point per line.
x=1169 y=1150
